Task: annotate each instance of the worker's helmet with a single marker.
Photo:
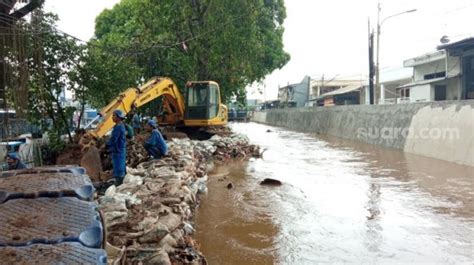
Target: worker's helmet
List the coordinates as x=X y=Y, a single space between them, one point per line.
x=119 y=114
x=152 y=123
x=13 y=155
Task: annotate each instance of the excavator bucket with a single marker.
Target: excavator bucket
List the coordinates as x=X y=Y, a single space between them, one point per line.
x=90 y=159
x=91 y=162
x=83 y=153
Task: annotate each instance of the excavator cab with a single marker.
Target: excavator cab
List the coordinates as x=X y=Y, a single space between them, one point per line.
x=203 y=105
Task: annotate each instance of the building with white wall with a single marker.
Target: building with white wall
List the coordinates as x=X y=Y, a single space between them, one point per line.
x=463 y=50
x=436 y=77
x=390 y=79
x=295 y=95
x=322 y=90
x=322 y=86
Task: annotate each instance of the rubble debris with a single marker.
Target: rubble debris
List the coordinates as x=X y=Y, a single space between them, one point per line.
x=136 y=153
x=271 y=182
x=69 y=156
x=221 y=177
x=149 y=218
x=88 y=157
x=175 y=135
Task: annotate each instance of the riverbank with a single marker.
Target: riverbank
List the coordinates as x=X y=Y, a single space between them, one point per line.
x=441 y=130
x=149 y=218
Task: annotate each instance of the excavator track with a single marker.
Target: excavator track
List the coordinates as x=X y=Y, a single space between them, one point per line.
x=48 y=217
x=194 y=133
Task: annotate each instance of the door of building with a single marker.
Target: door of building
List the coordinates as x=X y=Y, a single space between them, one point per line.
x=468 y=72
x=440 y=92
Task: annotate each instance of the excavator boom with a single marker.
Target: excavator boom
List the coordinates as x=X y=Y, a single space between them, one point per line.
x=137 y=97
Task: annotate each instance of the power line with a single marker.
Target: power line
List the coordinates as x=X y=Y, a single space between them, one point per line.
x=11 y=20
x=436 y=39
x=458 y=9
x=343 y=77
x=7 y=18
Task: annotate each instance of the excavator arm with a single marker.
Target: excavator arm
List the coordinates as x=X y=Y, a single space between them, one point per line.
x=194 y=113
x=137 y=97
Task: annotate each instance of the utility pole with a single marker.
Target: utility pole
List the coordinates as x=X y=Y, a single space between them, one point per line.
x=377 y=68
x=371 y=65
x=321 y=87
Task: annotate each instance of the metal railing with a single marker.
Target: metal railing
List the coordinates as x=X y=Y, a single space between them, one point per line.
x=403 y=100
x=388 y=101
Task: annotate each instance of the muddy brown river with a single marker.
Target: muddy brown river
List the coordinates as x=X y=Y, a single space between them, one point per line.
x=340 y=202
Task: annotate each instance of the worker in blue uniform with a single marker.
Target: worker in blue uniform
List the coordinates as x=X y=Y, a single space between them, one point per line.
x=117 y=146
x=136 y=122
x=155 y=145
x=14 y=161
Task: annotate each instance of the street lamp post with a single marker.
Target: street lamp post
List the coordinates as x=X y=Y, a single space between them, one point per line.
x=377 y=73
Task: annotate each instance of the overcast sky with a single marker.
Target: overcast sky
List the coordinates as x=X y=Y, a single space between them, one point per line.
x=327 y=36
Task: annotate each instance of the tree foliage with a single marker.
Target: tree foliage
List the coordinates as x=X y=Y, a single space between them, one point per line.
x=232 y=42
x=54 y=63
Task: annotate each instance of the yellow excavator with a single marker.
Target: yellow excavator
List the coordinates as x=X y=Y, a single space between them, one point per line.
x=199 y=107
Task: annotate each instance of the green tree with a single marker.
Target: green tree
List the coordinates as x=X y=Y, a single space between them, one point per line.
x=54 y=60
x=232 y=42
x=105 y=75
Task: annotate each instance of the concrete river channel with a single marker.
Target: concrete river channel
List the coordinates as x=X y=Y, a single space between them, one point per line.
x=340 y=201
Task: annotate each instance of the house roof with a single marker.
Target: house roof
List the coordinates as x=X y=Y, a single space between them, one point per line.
x=465 y=43
x=395 y=74
x=340 y=91
x=287 y=86
x=334 y=82
x=425 y=58
x=429 y=81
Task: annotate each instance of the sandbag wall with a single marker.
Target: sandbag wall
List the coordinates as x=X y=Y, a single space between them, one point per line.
x=149 y=218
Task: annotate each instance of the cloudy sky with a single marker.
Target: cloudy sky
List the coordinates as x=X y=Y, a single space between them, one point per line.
x=327 y=36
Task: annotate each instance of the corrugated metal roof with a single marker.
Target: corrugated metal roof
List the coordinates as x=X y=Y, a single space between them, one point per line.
x=429 y=81
x=394 y=74
x=340 y=91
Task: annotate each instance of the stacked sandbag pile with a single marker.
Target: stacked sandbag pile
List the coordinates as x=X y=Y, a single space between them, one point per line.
x=149 y=217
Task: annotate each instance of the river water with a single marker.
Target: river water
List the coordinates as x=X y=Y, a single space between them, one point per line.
x=340 y=201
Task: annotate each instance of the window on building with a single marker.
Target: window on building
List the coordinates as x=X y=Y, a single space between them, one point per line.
x=434 y=75
x=405 y=93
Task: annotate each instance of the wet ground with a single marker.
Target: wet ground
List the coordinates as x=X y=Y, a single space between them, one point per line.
x=341 y=201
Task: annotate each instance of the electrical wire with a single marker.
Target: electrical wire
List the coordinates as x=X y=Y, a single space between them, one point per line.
x=457 y=9
x=8 y=18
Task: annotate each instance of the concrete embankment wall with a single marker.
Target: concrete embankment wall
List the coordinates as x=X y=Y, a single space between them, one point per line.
x=442 y=130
